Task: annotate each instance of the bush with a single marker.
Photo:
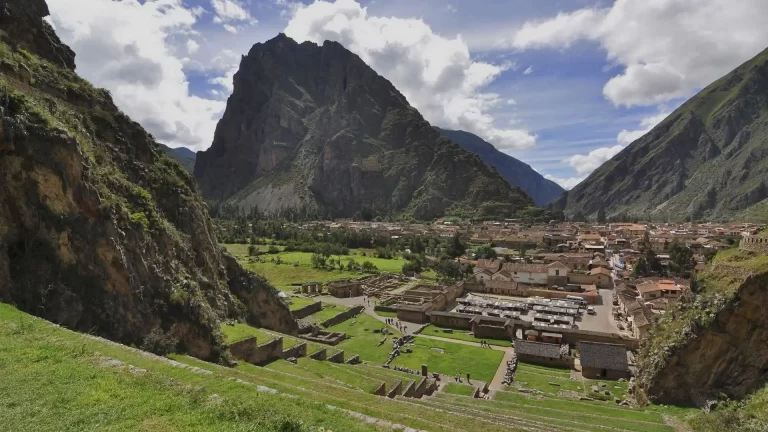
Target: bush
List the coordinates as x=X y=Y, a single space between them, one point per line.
x=139 y=218
x=369 y=267
x=160 y=343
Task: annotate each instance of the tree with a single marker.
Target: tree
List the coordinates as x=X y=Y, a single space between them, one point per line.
x=412 y=266
x=456 y=247
x=448 y=269
x=253 y=250
x=681 y=257
x=318 y=261
x=601 y=215
x=485 y=252
x=369 y=267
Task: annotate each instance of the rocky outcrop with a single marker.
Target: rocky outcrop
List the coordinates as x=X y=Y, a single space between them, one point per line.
x=314 y=128
x=708 y=159
x=517 y=173
x=99 y=230
x=724 y=350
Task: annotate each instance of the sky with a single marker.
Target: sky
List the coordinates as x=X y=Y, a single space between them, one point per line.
x=562 y=85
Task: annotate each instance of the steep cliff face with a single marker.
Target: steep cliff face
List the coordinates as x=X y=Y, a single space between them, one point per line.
x=708 y=159
x=313 y=127
x=714 y=344
x=514 y=171
x=99 y=230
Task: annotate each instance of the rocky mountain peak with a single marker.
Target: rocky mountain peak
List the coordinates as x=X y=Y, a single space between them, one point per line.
x=23 y=26
x=314 y=128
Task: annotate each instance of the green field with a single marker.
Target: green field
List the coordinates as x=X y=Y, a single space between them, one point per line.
x=548 y=380
x=239 y=331
x=299 y=302
x=450 y=358
x=329 y=310
x=386 y=314
x=362 y=341
x=459 y=389
x=296 y=267
x=464 y=335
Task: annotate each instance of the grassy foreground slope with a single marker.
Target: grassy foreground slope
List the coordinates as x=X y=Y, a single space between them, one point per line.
x=52 y=379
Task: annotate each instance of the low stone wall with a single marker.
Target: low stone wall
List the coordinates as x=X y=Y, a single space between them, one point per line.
x=382 y=390
x=248 y=351
x=307 y=310
x=299 y=350
x=396 y=390
x=336 y=358
x=343 y=316
x=319 y=355
x=384 y=308
x=410 y=391
x=757 y=244
x=355 y=359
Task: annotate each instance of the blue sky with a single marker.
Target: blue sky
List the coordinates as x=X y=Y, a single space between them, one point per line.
x=562 y=85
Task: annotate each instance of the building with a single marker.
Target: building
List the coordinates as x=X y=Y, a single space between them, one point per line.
x=603 y=361
x=662 y=288
x=483 y=274
x=602 y=277
x=493 y=265
x=550 y=354
x=502 y=275
x=344 y=289
x=534 y=274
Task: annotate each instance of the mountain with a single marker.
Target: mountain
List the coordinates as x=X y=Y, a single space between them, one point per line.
x=517 y=173
x=708 y=159
x=100 y=231
x=182 y=155
x=314 y=129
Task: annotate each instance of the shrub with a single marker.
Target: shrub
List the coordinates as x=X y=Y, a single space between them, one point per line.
x=139 y=218
x=160 y=343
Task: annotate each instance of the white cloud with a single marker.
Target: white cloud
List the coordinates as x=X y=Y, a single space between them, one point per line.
x=626 y=137
x=528 y=71
x=124 y=46
x=230 y=28
x=566 y=183
x=451 y=8
x=230 y=11
x=435 y=73
x=192 y=46
x=585 y=164
x=668 y=48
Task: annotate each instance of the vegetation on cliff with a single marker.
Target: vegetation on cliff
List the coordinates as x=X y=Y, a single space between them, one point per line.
x=708 y=159
x=99 y=229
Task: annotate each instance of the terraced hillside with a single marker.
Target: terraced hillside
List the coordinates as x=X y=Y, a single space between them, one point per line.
x=56 y=379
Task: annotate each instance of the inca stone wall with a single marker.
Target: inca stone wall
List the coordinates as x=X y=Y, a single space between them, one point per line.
x=757 y=244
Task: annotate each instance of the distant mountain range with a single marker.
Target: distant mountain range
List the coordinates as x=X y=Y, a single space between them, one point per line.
x=706 y=160
x=517 y=173
x=314 y=129
x=183 y=155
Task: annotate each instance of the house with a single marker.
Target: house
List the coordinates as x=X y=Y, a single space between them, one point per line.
x=493 y=265
x=534 y=274
x=550 y=354
x=602 y=277
x=502 y=275
x=662 y=288
x=602 y=360
x=483 y=274
x=599 y=262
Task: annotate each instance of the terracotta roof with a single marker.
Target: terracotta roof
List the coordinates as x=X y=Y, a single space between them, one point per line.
x=503 y=273
x=600 y=270
x=557 y=264
x=489 y=264
x=603 y=356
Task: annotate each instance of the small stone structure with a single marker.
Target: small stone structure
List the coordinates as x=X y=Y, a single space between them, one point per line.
x=343 y=316
x=755 y=243
x=312 y=288
x=324 y=337
x=249 y=351
x=336 y=358
x=321 y=354
x=344 y=289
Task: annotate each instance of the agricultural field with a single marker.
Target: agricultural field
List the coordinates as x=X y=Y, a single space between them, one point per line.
x=463 y=335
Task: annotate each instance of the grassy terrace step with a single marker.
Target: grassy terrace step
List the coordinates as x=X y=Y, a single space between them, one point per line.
x=459 y=389
x=54 y=379
x=589 y=421
x=328 y=311
x=399 y=411
x=239 y=331
x=523 y=421
x=324 y=370
x=382 y=371
x=264 y=335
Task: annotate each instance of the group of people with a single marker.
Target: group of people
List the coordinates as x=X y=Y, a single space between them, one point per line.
x=392 y=322
x=458 y=377
x=485 y=344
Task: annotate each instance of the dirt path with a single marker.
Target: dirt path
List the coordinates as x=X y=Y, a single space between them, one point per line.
x=501 y=371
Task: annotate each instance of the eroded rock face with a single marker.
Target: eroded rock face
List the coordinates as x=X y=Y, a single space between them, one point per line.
x=728 y=356
x=314 y=127
x=708 y=159
x=99 y=229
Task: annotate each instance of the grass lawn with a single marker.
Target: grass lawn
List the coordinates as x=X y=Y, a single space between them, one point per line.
x=362 y=341
x=57 y=380
x=241 y=331
x=459 y=389
x=386 y=314
x=449 y=358
x=300 y=302
x=283 y=275
x=548 y=380
x=329 y=310
x=464 y=335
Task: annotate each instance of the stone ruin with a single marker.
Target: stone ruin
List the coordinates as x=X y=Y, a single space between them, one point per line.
x=509 y=375
x=397 y=345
